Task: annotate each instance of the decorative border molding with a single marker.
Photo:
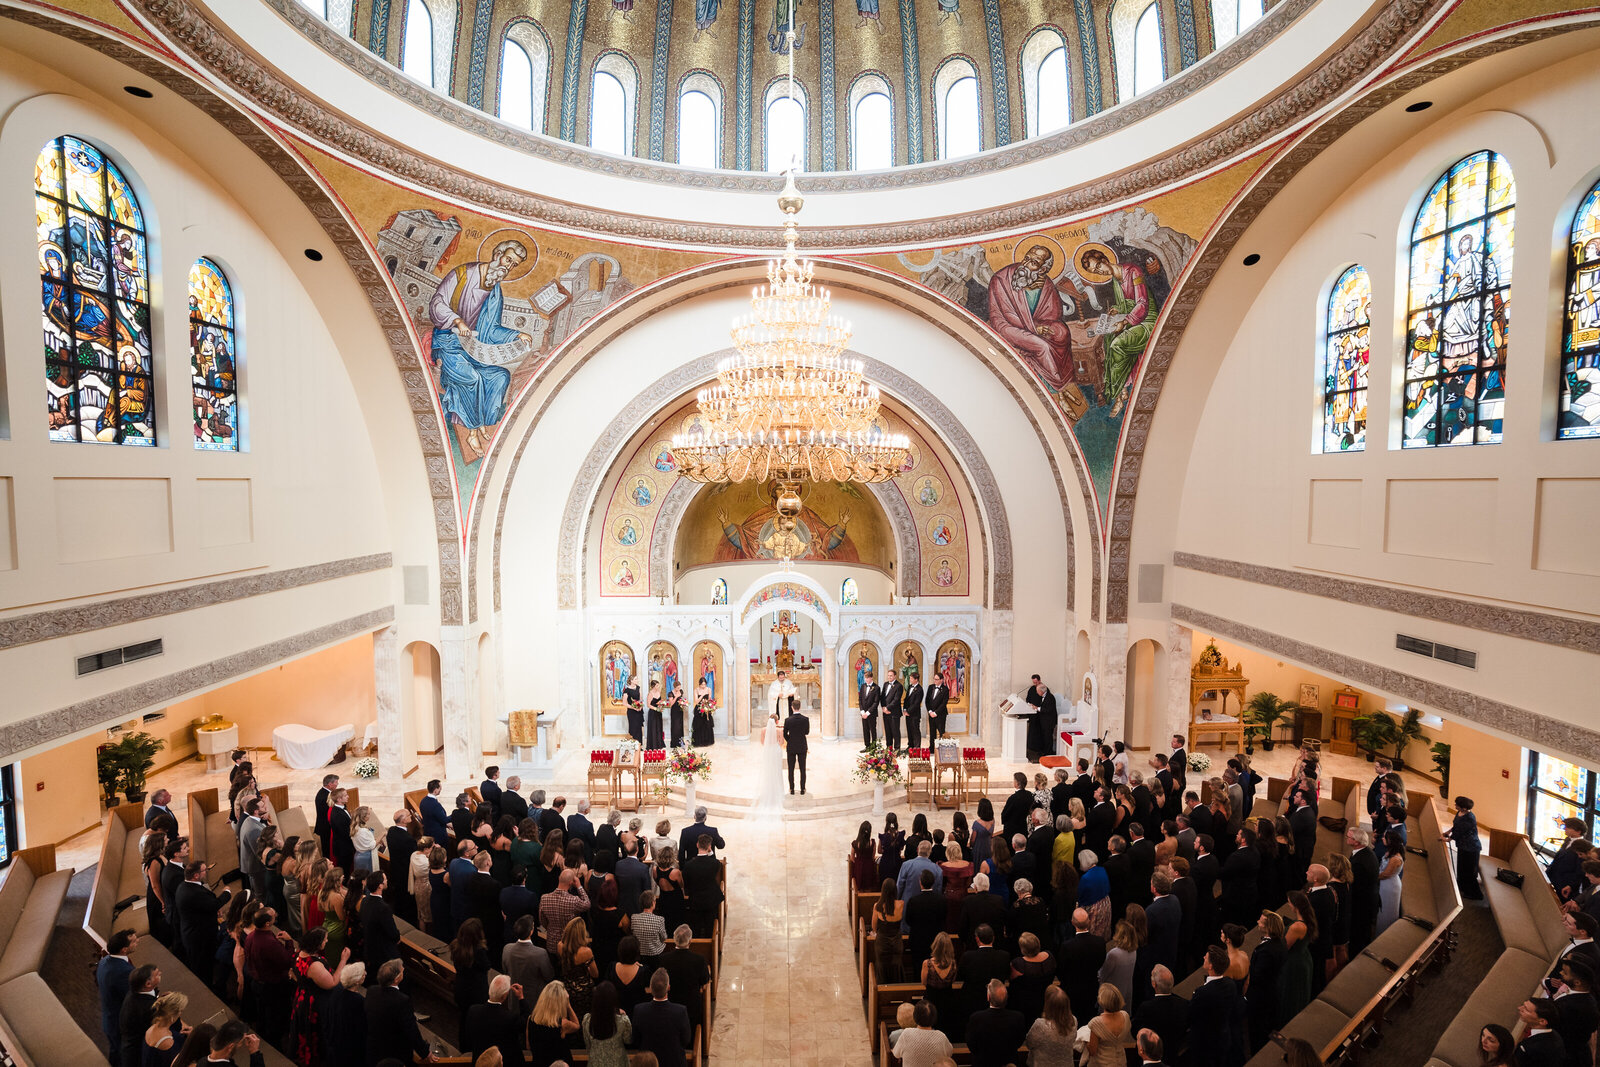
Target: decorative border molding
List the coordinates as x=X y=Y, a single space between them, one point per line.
x=679 y=496
x=478 y=63
x=658 y=80
x=571 y=77
x=744 y=78
x=1538 y=730
x=911 y=71
x=64 y=622
x=1579 y=635
x=827 y=97
x=1188 y=41
x=1371 y=48
x=999 y=79
x=1089 y=49
x=124 y=703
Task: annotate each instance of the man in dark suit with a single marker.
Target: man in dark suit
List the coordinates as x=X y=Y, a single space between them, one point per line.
x=1060 y=794
x=1149 y=1047
x=868 y=699
x=579 y=828
x=982 y=908
x=1380 y=770
x=1211 y=1012
x=925 y=916
x=460 y=821
x=197 y=920
x=1364 y=901
x=688 y=972
x=978 y=965
x=1241 y=876
x=702 y=888
x=527 y=963
x=1083 y=785
x=392 y=1031
x=1081 y=956
x=660 y=1026
x=111 y=977
x=938 y=698
x=633 y=878
x=1163 y=769
x=995 y=1034
x=1042 y=840
x=344 y=849
x=1184 y=892
x=1581 y=929
x=551 y=818
x=380 y=937
x=159 y=806
x=1206 y=871
x=795 y=729
x=689 y=836
x=1102 y=818
x=1178 y=762
x=1540 y=1046
x=511 y=801
x=1198 y=814
x=435 y=821
x=1119 y=869
x=401 y=845
x=176 y=857
x=1164 y=1013
x=319 y=805
x=495 y=1025
x=1142 y=858
x=1325 y=905
x=893 y=695
x=1164 y=919
x=1303 y=825
x=1266 y=972
x=1566 y=867
x=1014 y=816
x=1579 y=1014
x=133 y=1018
x=914 y=695
x=489 y=788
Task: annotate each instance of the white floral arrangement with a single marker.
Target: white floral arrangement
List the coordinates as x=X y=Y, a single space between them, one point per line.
x=366 y=768
x=1199 y=762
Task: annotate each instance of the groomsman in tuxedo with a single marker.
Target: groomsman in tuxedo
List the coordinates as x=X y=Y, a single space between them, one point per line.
x=893 y=699
x=938 y=697
x=869 y=698
x=630 y=696
x=914 y=711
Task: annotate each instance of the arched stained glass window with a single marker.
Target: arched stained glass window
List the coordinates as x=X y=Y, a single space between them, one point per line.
x=871 y=123
x=786 y=126
x=959 y=127
x=1046 y=93
x=1149 y=68
x=524 y=76
x=613 y=97
x=1458 y=311
x=1347 y=352
x=719 y=592
x=1579 y=415
x=213 y=358
x=700 y=121
x=95 y=277
x=416 y=47
x=849 y=593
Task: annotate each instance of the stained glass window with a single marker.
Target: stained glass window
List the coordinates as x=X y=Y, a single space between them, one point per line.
x=719 y=592
x=96 y=297
x=849 y=593
x=1347 y=352
x=1579 y=414
x=213 y=358
x=1557 y=791
x=1459 y=309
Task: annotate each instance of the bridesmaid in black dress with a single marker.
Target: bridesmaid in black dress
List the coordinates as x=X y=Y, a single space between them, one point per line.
x=703 y=735
x=676 y=718
x=635 y=712
x=653 y=738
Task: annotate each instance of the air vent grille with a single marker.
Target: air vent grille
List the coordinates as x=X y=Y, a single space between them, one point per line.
x=1413 y=644
x=115 y=657
x=1461 y=657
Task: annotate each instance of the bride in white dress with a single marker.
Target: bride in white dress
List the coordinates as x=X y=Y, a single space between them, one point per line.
x=769 y=768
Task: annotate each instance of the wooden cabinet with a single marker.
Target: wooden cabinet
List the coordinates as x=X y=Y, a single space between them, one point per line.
x=1346 y=706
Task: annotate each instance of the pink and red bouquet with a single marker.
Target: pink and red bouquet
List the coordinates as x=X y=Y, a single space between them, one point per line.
x=877 y=764
x=685 y=764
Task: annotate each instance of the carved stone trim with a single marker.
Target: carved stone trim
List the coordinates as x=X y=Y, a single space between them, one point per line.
x=908 y=575
x=676 y=502
x=190 y=30
x=64 y=622
x=1540 y=731
x=1191 y=290
x=43 y=729
x=1580 y=635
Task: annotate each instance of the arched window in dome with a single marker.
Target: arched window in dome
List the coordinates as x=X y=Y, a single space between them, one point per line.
x=1347 y=350
x=719 y=592
x=416 y=44
x=318 y=8
x=849 y=593
x=524 y=76
x=613 y=104
x=785 y=126
x=1579 y=412
x=1458 y=309
x=955 y=98
x=213 y=358
x=95 y=279
x=700 y=121
x=1046 y=92
x=1136 y=47
x=871 y=123
x=1230 y=18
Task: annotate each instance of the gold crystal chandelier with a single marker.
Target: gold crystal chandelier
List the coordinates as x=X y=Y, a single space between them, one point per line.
x=789 y=407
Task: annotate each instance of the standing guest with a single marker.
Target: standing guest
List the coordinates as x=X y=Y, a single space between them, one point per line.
x=469 y=953
x=1464 y=832
x=528 y=964
x=1575 y=1002
x=891 y=843
x=1110 y=1032
x=250 y=830
x=1014 y=815
x=1294 y=987
x=1052 y=1037
x=111 y=976
x=1065 y=847
x=576 y=964
x=511 y=802
x=401 y=848
x=313 y=981
x=269 y=956
x=1178 y=762
x=1540 y=1045
x=579 y=828
x=702 y=886
x=606 y=1029
x=231 y=1039
x=995 y=1034
x=649 y=931
x=607 y=923
x=669 y=890
x=661 y=1027
x=1339 y=876
x=1164 y=918
x=1364 y=892
x=1211 y=1012
x=1029 y=915
x=557 y=909
x=979 y=908
x=1389 y=879
x=924 y=919
x=1241 y=875
x=689 y=974
x=489 y=789
x=435 y=822
x=153 y=859
x=1000 y=869
x=344 y=1030
x=551 y=1026
x=197 y=919
x=1149 y=1047
x=913 y=707
x=483 y=900
x=1267 y=964
x=495 y=1025
x=319 y=806
x=1565 y=871
x=1063 y=902
x=341 y=849
x=392 y=1031
x=631 y=977
x=1277 y=863
x=1094 y=892
x=551 y=818
x=1206 y=873
x=1496 y=1046
x=888 y=949
x=438 y=894
x=176 y=858
x=380 y=937
x=922 y=1046
x=864 y=860
x=1142 y=862
x=160 y=802
x=525 y=850
x=908 y=881
x=364 y=841
x=457 y=876
x=689 y=836
x=939 y=973
x=633 y=878
x=1024 y=863
x=1032 y=972
x=1325 y=905
x=662 y=839
x=166 y=1029
x=1121 y=956
x=1303 y=823
x=133 y=1018
x=1233 y=936
x=1164 y=1012
x=1081 y=958
x=1183 y=891
x=1380 y=773
x=981 y=964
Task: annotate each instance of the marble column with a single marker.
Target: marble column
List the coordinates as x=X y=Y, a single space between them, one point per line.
x=741 y=690
x=1113 y=680
x=1180 y=644
x=461 y=728
x=830 y=694
x=386 y=684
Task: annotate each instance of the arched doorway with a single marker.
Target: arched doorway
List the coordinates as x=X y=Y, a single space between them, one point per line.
x=1145 y=694
x=423 y=709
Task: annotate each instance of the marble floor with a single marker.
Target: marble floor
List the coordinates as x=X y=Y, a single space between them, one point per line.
x=788 y=991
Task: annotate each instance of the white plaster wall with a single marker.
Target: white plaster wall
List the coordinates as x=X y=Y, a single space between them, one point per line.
x=694 y=586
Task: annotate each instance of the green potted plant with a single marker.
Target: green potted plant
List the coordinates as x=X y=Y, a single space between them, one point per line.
x=1375 y=732
x=135 y=755
x=1407 y=730
x=1441 y=763
x=1264 y=711
x=109 y=772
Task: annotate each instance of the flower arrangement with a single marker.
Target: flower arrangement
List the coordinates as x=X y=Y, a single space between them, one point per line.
x=366 y=768
x=685 y=765
x=877 y=764
x=1199 y=762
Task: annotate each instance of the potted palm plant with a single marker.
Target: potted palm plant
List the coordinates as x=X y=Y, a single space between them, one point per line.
x=1441 y=763
x=1375 y=732
x=135 y=755
x=109 y=772
x=1264 y=711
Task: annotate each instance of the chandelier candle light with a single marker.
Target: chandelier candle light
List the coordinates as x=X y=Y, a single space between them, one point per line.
x=789 y=407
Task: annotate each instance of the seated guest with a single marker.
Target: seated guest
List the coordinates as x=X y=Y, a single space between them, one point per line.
x=995 y=1034
x=551 y=1027
x=1053 y=1036
x=1163 y=1012
x=661 y=1027
x=923 y=1046
x=494 y=1025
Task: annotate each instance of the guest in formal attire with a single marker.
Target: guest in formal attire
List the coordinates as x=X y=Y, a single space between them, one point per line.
x=661 y=1027
x=606 y=1029
x=1540 y=1046
x=469 y=952
x=1094 y=892
x=1389 y=879
x=319 y=807
x=1110 y=1032
x=342 y=849
x=392 y=1031
x=1052 y=1037
x=1164 y=1013
x=689 y=836
x=1212 y=1034
x=1266 y=975
x=166 y=1029
x=702 y=887
x=435 y=820
x=689 y=973
x=995 y=1034
x=551 y=1026
x=1496 y=1046
x=1464 y=832
x=921 y=1045
x=313 y=982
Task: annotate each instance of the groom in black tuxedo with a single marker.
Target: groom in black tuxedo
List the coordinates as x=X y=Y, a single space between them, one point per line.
x=795 y=729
